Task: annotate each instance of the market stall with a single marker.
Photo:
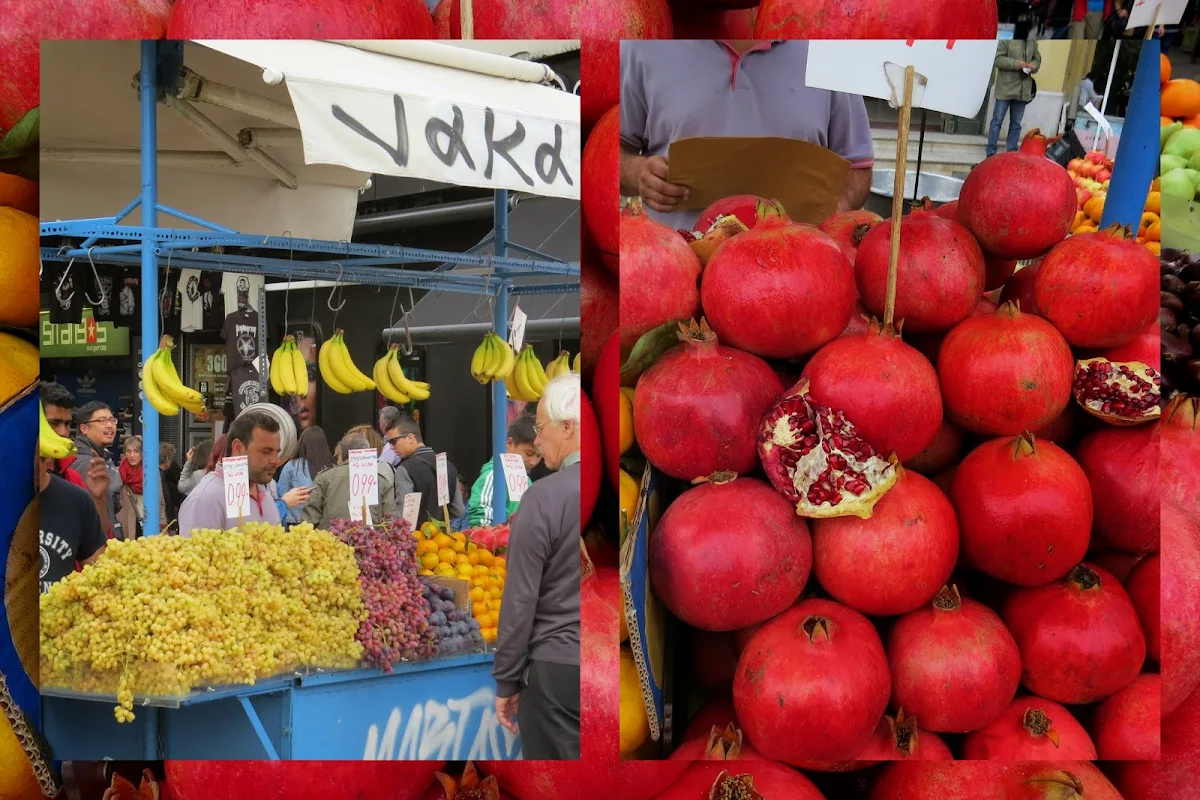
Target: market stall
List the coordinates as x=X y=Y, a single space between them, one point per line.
x=458 y=109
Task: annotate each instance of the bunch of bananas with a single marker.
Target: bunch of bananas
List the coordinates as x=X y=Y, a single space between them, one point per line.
x=559 y=366
x=50 y=444
x=528 y=379
x=289 y=370
x=393 y=383
x=162 y=387
x=494 y=359
x=338 y=369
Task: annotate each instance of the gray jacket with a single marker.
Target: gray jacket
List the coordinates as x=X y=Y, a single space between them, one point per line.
x=189 y=478
x=1011 y=81
x=539 y=620
x=87 y=451
x=1085 y=92
x=330 y=497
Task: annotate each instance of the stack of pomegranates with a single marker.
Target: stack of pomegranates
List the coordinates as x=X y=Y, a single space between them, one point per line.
x=941 y=543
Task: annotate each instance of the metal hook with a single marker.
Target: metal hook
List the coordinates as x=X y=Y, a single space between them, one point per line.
x=58 y=289
x=96 y=275
x=329 y=302
x=407 y=348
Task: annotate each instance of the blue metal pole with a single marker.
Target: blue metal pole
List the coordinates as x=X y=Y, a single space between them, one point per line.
x=149 y=98
x=499 y=397
x=1137 y=153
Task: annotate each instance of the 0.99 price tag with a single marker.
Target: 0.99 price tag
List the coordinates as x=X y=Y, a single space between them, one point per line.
x=515 y=476
x=237 y=486
x=364 y=477
x=443 y=480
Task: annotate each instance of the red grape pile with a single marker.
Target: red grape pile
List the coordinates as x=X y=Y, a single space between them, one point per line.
x=397 y=626
x=453 y=628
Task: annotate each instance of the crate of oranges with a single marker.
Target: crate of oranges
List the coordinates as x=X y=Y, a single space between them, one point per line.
x=453 y=555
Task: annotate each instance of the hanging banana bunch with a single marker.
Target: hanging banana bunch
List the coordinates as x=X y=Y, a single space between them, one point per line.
x=289 y=371
x=50 y=444
x=338 y=369
x=494 y=359
x=393 y=383
x=528 y=379
x=162 y=387
x=575 y=366
x=559 y=366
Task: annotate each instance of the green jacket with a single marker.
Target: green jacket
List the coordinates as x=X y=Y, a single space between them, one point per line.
x=1011 y=82
x=479 y=509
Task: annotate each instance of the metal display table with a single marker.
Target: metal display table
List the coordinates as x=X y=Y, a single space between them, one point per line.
x=442 y=709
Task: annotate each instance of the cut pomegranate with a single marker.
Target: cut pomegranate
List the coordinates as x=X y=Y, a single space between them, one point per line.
x=816 y=459
x=705 y=243
x=1118 y=392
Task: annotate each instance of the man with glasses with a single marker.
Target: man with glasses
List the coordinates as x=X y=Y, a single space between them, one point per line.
x=420 y=461
x=59 y=405
x=97 y=431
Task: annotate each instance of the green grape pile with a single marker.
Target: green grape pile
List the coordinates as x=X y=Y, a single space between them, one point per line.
x=163 y=615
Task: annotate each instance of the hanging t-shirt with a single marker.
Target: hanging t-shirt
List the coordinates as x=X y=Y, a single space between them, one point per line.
x=241 y=291
x=66 y=292
x=240 y=333
x=169 y=305
x=129 y=299
x=210 y=296
x=70 y=530
x=191 y=303
x=101 y=290
x=245 y=389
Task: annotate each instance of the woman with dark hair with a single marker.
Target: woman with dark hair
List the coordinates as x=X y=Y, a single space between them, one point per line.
x=312 y=458
x=196 y=467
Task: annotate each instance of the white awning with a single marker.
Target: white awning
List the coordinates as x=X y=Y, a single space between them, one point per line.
x=379 y=113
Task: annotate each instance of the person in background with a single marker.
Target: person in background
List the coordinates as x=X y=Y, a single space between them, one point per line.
x=330 y=497
x=169 y=473
x=400 y=476
x=311 y=459
x=420 y=462
x=387 y=418
x=462 y=521
x=97 y=427
x=1089 y=16
x=1016 y=61
x=71 y=533
x=536 y=665
x=520 y=441
x=133 y=509
x=59 y=405
x=1085 y=92
x=196 y=466
x=255 y=435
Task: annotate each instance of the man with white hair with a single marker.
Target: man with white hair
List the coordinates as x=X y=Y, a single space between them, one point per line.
x=537 y=655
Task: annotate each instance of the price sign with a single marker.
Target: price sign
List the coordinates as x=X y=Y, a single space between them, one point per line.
x=518 y=329
x=357 y=510
x=515 y=476
x=1170 y=12
x=443 y=481
x=237 y=486
x=364 y=476
x=412 y=508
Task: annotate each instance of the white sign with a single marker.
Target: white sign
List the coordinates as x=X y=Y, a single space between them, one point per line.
x=364 y=476
x=1142 y=13
x=515 y=476
x=1103 y=123
x=518 y=329
x=443 y=481
x=412 y=508
x=956 y=72
x=356 y=512
x=237 y=486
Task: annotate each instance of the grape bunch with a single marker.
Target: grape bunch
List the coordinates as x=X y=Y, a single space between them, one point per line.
x=396 y=627
x=454 y=630
x=1179 y=321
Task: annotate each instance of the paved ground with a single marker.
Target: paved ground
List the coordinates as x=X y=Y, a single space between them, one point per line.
x=1182 y=66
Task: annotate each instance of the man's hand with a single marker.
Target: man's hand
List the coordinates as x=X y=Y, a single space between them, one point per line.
x=506 y=712
x=96 y=477
x=191 y=453
x=654 y=189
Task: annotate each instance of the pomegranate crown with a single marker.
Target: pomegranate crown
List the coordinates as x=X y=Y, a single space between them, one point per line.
x=1182 y=412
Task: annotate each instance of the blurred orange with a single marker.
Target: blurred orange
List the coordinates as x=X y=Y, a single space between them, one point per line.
x=18 y=193
x=18 y=268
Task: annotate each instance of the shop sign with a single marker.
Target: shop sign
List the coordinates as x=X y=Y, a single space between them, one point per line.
x=78 y=340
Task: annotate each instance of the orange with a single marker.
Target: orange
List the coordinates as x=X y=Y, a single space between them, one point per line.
x=18 y=367
x=476 y=595
x=17 y=778
x=442 y=540
x=1079 y=218
x=1153 y=247
x=1180 y=98
x=458 y=547
x=1154 y=232
x=629 y=496
x=429 y=560
x=473 y=558
x=1164 y=69
x=626 y=428
x=1156 y=185
x=1086 y=228
x=1164 y=121
x=634 y=725
x=1154 y=202
x=18 y=193
x=1192 y=122
x=500 y=563
x=18 y=268
x=446 y=555
x=1094 y=208
x=485 y=620
x=485 y=557
x=1148 y=219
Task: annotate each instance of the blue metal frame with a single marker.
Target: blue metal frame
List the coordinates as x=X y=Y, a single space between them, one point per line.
x=1137 y=153
x=362 y=263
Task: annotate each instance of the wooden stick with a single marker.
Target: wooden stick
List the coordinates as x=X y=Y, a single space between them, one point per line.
x=1153 y=23
x=446 y=514
x=889 y=308
x=466 y=13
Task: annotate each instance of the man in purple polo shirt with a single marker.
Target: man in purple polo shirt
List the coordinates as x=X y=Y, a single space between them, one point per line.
x=255 y=435
x=678 y=89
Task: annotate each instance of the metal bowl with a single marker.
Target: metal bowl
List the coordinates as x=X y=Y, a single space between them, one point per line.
x=937 y=187
x=287 y=428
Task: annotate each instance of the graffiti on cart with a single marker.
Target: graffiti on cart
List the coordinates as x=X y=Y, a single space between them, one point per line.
x=459 y=729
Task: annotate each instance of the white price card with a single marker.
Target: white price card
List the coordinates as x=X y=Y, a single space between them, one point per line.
x=515 y=476
x=412 y=508
x=1142 y=13
x=952 y=76
x=356 y=512
x=443 y=480
x=237 y=486
x=364 y=476
x=517 y=336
